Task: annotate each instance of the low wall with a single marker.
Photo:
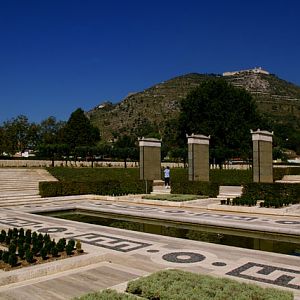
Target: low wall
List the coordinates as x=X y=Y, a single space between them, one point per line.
x=47 y=163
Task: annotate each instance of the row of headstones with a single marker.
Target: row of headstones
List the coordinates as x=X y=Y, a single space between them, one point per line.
x=198 y=157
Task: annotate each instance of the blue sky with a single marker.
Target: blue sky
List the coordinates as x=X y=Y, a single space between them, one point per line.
x=56 y=56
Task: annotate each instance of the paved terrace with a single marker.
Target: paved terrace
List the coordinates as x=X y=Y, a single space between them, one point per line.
x=115 y=256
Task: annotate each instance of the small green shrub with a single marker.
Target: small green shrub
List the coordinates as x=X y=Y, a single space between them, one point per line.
x=21 y=251
x=44 y=253
x=69 y=249
x=13 y=259
x=61 y=245
x=54 y=251
x=12 y=248
x=29 y=256
x=5 y=256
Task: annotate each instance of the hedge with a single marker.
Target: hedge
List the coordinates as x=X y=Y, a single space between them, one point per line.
x=210 y=189
x=103 y=187
x=181 y=285
x=274 y=194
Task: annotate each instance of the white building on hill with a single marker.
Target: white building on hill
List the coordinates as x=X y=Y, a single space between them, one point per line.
x=255 y=70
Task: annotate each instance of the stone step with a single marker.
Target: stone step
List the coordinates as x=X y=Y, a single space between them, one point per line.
x=161 y=190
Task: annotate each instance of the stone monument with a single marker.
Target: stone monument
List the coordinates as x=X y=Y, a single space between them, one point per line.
x=198 y=157
x=262 y=156
x=150 y=159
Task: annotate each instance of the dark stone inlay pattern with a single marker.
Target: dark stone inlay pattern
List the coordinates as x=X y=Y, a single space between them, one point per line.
x=68 y=233
x=282 y=280
x=288 y=222
x=152 y=251
x=219 y=264
x=192 y=257
x=110 y=242
x=52 y=229
x=229 y=217
x=18 y=222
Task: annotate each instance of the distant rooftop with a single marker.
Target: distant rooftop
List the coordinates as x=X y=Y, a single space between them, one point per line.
x=255 y=70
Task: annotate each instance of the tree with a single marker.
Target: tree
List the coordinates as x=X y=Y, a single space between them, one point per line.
x=125 y=148
x=48 y=131
x=78 y=131
x=224 y=112
x=19 y=134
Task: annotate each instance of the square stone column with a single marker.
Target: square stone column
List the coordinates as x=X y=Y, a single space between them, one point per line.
x=150 y=159
x=198 y=157
x=262 y=156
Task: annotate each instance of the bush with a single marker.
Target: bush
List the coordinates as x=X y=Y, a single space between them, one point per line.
x=274 y=194
x=104 y=187
x=12 y=259
x=69 y=249
x=209 y=189
x=29 y=256
x=5 y=256
x=12 y=248
x=181 y=285
x=44 y=253
x=61 y=245
x=21 y=251
x=54 y=251
x=71 y=243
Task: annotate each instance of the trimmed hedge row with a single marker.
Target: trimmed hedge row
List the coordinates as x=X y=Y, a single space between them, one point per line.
x=103 y=187
x=274 y=194
x=210 y=189
x=181 y=285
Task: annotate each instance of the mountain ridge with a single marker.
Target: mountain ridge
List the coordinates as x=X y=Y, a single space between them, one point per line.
x=159 y=103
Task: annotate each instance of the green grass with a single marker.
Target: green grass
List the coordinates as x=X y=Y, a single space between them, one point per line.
x=181 y=285
x=173 y=197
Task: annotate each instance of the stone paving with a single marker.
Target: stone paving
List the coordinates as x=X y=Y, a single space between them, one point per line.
x=115 y=256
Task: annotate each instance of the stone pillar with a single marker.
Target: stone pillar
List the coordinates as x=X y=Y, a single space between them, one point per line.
x=198 y=157
x=262 y=156
x=150 y=159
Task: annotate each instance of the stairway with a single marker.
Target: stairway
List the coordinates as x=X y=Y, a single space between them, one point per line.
x=21 y=185
x=159 y=188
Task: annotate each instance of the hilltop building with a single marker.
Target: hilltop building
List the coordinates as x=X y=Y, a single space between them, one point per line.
x=255 y=71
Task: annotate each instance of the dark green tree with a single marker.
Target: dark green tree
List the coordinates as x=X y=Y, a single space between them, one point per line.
x=49 y=129
x=78 y=131
x=125 y=148
x=224 y=112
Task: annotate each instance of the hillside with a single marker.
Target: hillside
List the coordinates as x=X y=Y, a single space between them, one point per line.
x=154 y=106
